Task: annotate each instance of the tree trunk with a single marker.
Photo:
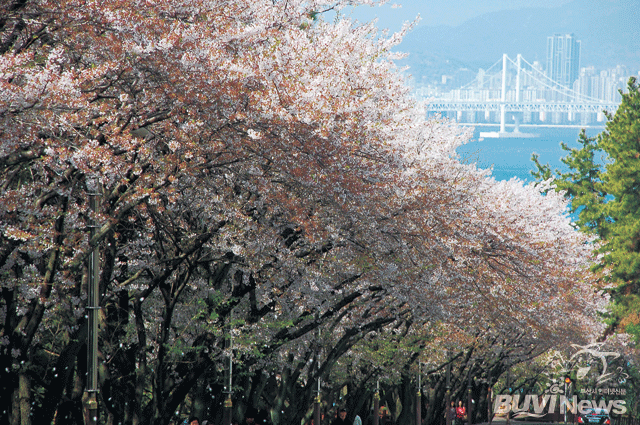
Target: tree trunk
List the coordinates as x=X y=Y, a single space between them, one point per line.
x=24 y=399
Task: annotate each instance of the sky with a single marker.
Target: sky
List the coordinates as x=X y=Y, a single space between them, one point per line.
x=439 y=12
x=477 y=32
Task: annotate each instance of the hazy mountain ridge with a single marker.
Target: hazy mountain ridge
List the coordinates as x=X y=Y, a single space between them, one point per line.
x=609 y=31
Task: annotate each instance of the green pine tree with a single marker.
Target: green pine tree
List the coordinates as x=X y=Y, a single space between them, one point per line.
x=603 y=183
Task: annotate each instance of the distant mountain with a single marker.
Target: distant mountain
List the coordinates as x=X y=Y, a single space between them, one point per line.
x=608 y=29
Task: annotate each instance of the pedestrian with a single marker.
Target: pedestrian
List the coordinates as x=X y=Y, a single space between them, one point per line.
x=452 y=413
x=384 y=415
x=461 y=413
x=194 y=420
x=342 y=418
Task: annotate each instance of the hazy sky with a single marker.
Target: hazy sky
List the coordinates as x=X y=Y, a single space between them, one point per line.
x=439 y=12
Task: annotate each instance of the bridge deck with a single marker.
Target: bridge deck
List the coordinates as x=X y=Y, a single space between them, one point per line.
x=445 y=105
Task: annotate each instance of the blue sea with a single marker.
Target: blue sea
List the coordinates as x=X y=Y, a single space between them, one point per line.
x=511 y=157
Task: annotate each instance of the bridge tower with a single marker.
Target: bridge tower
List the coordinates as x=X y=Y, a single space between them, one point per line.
x=503 y=103
x=517 y=116
x=503 y=96
x=521 y=103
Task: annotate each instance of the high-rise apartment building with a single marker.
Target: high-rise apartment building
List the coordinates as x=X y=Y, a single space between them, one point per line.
x=563 y=58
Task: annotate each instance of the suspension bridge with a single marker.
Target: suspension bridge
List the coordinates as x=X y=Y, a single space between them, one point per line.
x=533 y=99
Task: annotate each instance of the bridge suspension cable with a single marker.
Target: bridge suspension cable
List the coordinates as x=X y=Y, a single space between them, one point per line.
x=466 y=86
x=541 y=96
x=567 y=91
x=538 y=76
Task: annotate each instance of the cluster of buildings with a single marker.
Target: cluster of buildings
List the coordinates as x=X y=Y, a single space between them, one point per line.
x=534 y=86
x=603 y=85
x=563 y=66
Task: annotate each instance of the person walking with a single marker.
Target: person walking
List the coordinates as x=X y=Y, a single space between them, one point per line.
x=341 y=419
x=452 y=413
x=461 y=413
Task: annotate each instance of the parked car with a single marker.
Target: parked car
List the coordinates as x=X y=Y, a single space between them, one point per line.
x=594 y=416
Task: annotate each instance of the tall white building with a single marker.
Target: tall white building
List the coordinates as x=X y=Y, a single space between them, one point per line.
x=563 y=59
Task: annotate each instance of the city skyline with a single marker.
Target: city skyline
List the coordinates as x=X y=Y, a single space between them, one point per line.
x=562 y=68
x=520 y=92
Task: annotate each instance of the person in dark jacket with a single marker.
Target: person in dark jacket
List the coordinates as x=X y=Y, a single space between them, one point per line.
x=452 y=414
x=342 y=418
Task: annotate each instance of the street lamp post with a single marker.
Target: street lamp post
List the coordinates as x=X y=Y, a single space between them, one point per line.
x=469 y=399
x=489 y=398
x=228 y=403
x=419 y=397
x=93 y=305
x=316 y=406
x=508 y=380
x=567 y=390
x=316 y=401
x=376 y=404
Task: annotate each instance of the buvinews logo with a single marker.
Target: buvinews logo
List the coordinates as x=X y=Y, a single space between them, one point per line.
x=542 y=405
x=597 y=371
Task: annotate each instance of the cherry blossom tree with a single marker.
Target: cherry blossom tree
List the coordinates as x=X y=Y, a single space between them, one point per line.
x=262 y=175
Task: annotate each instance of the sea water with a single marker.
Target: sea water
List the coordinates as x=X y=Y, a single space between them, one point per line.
x=510 y=157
